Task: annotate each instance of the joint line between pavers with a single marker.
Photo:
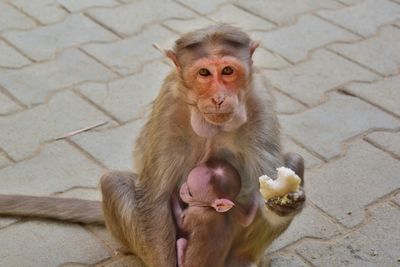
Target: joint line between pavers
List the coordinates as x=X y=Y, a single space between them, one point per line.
x=355 y=62
x=100 y=240
x=103 y=25
x=97 y=106
x=342 y=3
x=58 y=193
x=13 y=98
x=37 y=22
x=32 y=60
x=309 y=263
x=312 y=152
x=337 y=25
x=290 y=63
x=190 y=8
x=341 y=228
x=371 y=142
x=305 y=105
x=100 y=62
x=347 y=92
x=86 y=153
x=2 y=151
x=255 y=14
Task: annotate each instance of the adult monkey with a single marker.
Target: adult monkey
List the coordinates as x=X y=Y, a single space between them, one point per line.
x=212 y=104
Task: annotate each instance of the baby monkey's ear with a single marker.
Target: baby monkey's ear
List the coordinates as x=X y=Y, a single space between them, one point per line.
x=222 y=204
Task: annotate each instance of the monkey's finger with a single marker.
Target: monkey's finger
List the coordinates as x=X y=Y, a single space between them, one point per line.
x=293 y=202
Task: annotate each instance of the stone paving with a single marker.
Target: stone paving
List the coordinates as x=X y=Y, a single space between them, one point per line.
x=335 y=70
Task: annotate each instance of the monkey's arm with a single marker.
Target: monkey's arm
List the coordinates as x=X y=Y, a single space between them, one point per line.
x=177 y=210
x=245 y=216
x=64 y=209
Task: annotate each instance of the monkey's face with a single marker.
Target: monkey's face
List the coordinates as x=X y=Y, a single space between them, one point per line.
x=219 y=84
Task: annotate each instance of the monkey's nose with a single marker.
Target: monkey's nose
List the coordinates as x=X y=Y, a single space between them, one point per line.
x=218 y=101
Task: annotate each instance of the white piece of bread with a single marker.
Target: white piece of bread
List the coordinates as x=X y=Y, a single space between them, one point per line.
x=286 y=182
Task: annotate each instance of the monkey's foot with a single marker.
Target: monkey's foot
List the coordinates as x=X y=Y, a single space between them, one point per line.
x=290 y=203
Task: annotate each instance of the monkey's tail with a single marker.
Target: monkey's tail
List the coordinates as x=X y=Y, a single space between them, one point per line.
x=63 y=209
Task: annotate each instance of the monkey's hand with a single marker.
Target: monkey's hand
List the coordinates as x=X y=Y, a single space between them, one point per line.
x=291 y=203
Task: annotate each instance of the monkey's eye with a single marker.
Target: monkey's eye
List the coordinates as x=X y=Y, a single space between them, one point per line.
x=227 y=71
x=204 y=72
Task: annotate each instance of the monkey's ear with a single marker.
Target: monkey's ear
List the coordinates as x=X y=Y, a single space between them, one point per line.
x=222 y=204
x=171 y=55
x=253 y=46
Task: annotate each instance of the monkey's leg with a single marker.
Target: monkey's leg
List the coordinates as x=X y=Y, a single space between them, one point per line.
x=142 y=225
x=181 y=245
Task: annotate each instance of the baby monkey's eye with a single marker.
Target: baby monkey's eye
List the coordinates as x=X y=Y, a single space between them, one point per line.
x=204 y=72
x=227 y=71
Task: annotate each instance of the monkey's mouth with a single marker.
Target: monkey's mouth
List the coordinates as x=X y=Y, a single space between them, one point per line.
x=218 y=118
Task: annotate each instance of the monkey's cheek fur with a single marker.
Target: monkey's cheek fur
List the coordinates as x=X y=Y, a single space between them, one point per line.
x=218 y=118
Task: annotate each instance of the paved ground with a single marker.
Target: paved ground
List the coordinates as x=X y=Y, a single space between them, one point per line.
x=334 y=64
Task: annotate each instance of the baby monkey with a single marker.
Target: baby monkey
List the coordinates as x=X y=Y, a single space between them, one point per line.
x=207 y=224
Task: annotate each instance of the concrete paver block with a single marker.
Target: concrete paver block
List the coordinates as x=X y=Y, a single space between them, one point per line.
x=4 y=161
x=130 y=19
x=387 y=140
x=310 y=80
x=286 y=105
x=56 y=168
x=33 y=83
x=287 y=260
x=230 y=14
x=375 y=244
x=42 y=43
x=310 y=223
x=290 y=146
x=384 y=93
x=364 y=18
x=112 y=147
x=10 y=58
x=104 y=235
x=45 y=11
x=48 y=244
x=265 y=59
x=396 y=199
x=6 y=221
x=380 y=53
x=324 y=128
x=7 y=105
x=343 y=188
x=23 y=132
x=82 y=193
x=128 y=55
x=295 y=41
x=127 y=261
x=204 y=6
x=187 y=25
x=127 y=98
x=286 y=11
x=11 y=19
x=75 y=6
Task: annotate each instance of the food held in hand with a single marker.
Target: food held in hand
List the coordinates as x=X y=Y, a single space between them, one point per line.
x=286 y=182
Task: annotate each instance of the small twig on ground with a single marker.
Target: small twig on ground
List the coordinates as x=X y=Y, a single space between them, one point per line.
x=80 y=130
x=156 y=46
